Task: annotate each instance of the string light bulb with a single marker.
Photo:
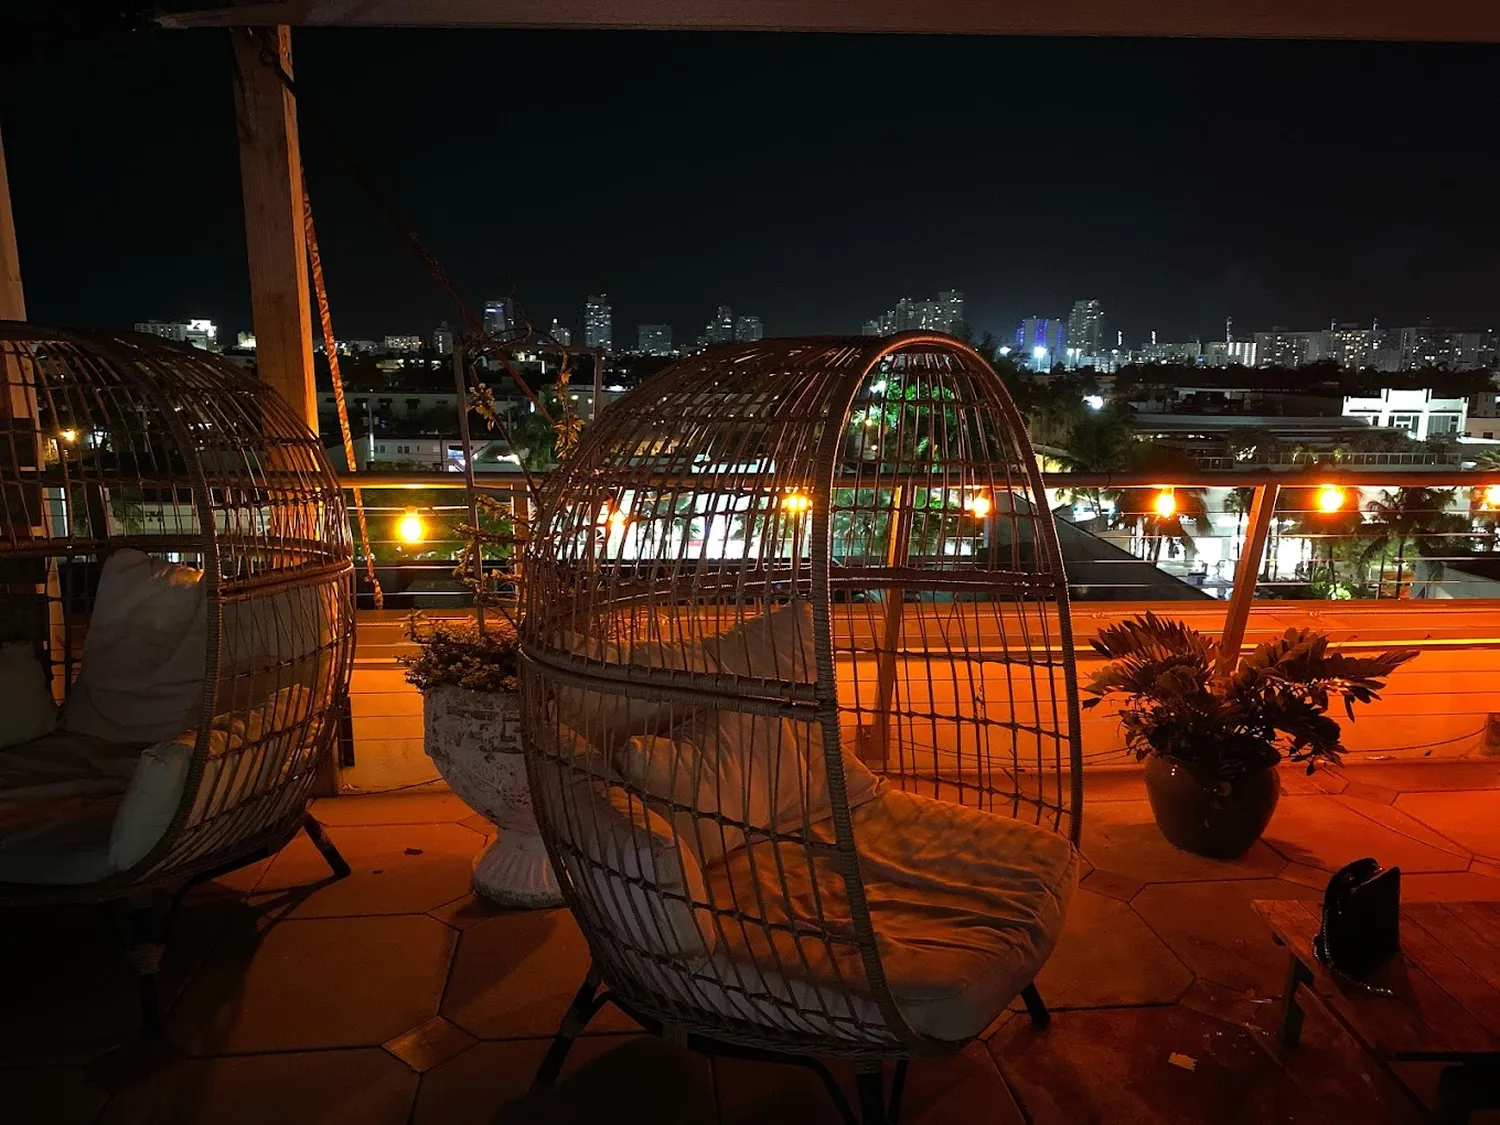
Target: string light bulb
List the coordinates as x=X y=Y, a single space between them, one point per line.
x=69 y=435
x=618 y=520
x=1165 y=503
x=1492 y=496
x=978 y=506
x=796 y=502
x=410 y=527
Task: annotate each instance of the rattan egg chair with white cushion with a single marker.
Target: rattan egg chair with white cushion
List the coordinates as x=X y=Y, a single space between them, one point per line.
x=176 y=622
x=800 y=704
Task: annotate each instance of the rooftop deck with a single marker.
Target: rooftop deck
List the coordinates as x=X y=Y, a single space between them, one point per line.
x=395 y=996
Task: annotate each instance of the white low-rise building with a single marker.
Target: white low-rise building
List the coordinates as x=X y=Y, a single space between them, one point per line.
x=1418 y=413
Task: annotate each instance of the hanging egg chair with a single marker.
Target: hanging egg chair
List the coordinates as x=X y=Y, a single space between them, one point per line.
x=176 y=619
x=800 y=703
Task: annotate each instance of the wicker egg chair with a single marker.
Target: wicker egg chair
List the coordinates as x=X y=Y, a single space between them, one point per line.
x=177 y=578
x=800 y=705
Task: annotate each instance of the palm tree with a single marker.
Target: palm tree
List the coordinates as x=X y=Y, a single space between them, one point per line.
x=1306 y=516
x=1135 y=508
x=1100 y=442
x=1411 y=518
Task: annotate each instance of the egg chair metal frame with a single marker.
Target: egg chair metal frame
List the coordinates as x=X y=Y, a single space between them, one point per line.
x=119 y=442
x=888 y=486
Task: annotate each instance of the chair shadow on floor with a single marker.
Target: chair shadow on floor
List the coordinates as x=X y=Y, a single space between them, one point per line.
x=643 y=1078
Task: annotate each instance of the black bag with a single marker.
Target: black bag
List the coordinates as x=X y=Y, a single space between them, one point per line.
x=1361 y=919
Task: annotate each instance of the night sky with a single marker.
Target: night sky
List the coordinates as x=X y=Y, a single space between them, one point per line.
x=811 y=180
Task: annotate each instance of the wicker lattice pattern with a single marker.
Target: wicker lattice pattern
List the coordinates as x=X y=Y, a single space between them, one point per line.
x=114 y=441
x=808 y=560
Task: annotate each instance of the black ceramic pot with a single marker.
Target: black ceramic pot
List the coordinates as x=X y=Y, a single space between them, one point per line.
x=1207 y=815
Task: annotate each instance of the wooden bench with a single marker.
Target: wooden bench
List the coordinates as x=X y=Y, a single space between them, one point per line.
x=1446 y=1007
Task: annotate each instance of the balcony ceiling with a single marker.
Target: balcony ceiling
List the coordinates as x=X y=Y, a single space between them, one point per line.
x=1434 y=20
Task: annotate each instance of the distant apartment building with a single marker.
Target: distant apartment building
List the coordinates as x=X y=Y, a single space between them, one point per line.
x=563 y=336
x=1085 y=333
x=1416 y=411
x=500 y=317
x=1041 y=341
x=720 y=330
x=442 y=339
x=598 y=324
x=199 y=333
x=1229 y=353
x=1188 y=352
x=944 y=313
x=1283 y=347
x=403 y=343
x=1426 y=346
x=654 y=339
x=747 y=329
x=245 y=340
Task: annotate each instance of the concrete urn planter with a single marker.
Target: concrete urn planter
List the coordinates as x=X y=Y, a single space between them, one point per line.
x=474 y=739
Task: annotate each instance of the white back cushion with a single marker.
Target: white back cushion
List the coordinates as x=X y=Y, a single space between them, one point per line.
x=144 y=655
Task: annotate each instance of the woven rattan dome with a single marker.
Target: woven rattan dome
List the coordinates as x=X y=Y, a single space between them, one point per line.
x=117 y=442
x=871 y=509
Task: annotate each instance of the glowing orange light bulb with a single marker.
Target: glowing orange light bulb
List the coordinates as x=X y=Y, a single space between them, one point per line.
x=978 y=506
x=617 y=520
x=1165 y=503
x=1330 y=498
x=1492 y=496
x=796 y=502
x=410 y=527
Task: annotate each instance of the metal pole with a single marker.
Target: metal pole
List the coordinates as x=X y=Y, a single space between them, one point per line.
x=1246 y=572
x=477 y=542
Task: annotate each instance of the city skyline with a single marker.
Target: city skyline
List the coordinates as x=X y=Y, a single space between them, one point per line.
x=1347 y=196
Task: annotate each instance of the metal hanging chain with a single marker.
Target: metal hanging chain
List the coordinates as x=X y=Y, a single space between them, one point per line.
x=331 y=349
x=271 y=59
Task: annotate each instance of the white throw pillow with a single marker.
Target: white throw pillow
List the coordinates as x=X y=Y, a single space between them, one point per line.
x=144 y=655
x=248 y=753
x=26 y=707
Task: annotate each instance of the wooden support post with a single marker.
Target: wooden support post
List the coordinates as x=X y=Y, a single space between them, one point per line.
x=877 y=751
x=271 y=178
x=1246 y=574
x=12 y=298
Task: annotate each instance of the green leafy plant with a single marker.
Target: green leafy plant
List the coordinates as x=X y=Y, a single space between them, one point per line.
x=458 y=654
x=1178 y=703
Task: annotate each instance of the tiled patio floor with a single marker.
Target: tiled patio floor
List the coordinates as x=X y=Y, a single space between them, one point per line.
x=394 y=996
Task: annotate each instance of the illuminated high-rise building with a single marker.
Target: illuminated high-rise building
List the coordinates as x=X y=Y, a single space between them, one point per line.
x=598 y=325
x=748 y=328
x=654 y=339
x=1085 y=331
x=500 y=317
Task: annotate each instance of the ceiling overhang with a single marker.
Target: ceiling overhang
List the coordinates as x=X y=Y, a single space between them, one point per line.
x=1476 y=21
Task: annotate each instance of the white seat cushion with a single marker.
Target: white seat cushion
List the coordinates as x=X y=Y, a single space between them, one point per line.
x=966 y=906
x=59 y=796
x=145 y=652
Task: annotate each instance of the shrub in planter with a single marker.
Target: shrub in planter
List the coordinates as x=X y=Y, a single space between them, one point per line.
x=1211 y=736
x=472 y=732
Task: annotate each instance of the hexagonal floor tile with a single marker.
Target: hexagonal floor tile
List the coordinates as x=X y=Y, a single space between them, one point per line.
x=1326 y=833
x=396 y=869
x=1111 y=1066
x=392 y=808
x=1122 y=837
x=57 y=1095
x=1108 y=956
x=1466 y=817
x=605 y=1078
x=516 y=974
x=1215 y=933
x=361 y=1087
x=317 y=982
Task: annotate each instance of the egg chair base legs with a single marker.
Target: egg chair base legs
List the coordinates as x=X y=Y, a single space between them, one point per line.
x=1037 y=1010
x=146 y=941
x=876 y=1108
x=325 y=846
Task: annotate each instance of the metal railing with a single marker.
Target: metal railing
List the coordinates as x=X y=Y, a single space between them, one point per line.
x=1341 y=534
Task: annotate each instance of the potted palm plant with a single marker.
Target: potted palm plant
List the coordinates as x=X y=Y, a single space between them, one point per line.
x=1212 y=731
